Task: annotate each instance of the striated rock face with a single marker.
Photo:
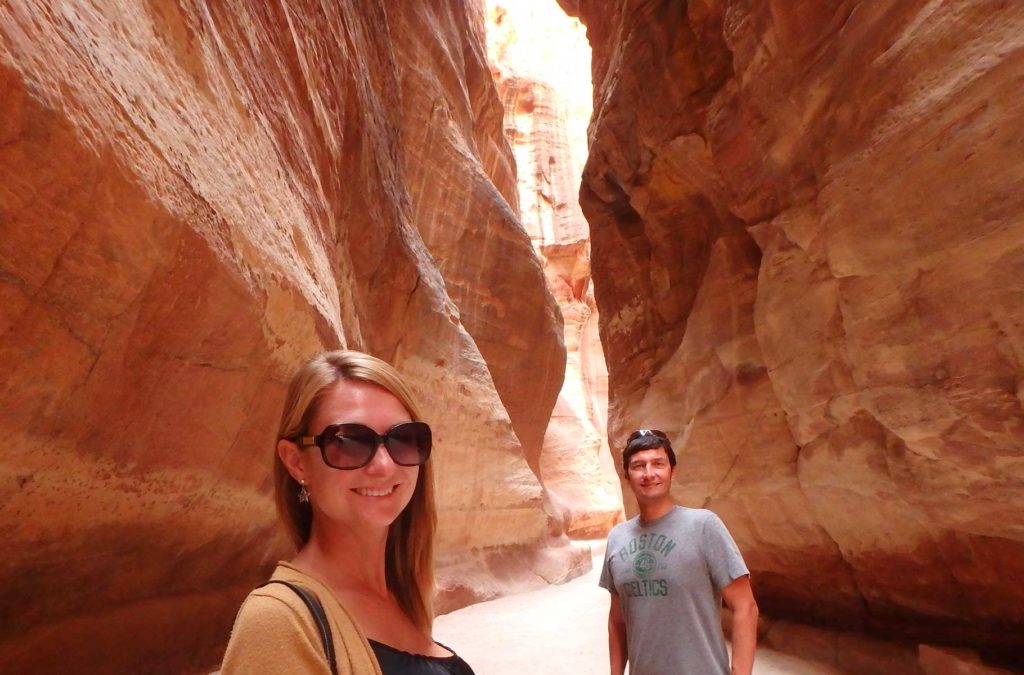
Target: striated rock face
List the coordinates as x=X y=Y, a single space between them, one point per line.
x=808 y=257
x=193 y=199
x=546 y=112
x=451 y=117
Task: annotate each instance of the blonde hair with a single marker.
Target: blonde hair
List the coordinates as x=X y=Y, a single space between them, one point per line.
x=409 y=555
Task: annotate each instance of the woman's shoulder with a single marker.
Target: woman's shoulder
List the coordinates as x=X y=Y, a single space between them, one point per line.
x=272 y=614
x=274 y=628
x=273 y=602
x=275 y=631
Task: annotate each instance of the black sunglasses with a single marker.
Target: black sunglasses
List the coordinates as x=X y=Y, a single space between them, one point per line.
x=352 y=446
x=640 y=433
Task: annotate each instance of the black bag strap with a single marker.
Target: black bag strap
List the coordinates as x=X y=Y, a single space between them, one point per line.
x=317 y=610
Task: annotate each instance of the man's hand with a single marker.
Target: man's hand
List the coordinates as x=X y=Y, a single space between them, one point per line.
x=739 y=597
x=617 y=651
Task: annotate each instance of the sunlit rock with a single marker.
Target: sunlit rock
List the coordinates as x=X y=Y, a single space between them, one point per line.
x=809 y=266
x=193 y=199
x=546 y=111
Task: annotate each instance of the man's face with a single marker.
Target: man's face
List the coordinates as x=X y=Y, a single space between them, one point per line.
x=650 y=475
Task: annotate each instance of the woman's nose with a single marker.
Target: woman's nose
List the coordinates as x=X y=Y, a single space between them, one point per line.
x=381 y=459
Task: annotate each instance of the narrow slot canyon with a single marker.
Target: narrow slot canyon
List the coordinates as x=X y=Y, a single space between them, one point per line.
x=788 y=234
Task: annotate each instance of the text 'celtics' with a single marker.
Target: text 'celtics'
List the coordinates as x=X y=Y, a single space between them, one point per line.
x=644 y=588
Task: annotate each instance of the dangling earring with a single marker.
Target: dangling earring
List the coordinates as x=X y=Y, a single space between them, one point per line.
x=303 y=493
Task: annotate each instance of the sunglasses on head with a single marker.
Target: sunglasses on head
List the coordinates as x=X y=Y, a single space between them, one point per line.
x=352 y=446
x=640 y=433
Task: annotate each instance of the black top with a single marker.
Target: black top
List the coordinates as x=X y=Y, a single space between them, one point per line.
x=396 y=662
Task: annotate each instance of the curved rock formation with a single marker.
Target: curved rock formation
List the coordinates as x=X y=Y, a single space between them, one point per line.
x=546 y=111
x=193 y=198
x=451 y=117
x=808 y=259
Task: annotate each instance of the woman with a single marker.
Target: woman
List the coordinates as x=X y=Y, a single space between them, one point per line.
x=355 y=490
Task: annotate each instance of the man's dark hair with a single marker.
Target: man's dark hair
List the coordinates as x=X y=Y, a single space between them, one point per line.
x=647 y=439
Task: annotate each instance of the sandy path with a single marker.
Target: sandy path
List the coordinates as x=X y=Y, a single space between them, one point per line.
x=560 y=630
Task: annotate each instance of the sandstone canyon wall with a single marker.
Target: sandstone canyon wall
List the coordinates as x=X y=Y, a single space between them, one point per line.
x=546 y=113
x=808 y=256
x=194 y=197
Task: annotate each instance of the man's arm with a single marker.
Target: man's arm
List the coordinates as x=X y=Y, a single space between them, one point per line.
x=617 y=637
x=739 y=598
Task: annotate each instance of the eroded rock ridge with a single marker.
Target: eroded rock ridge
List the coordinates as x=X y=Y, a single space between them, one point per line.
x=808 y=257
x=194 y=198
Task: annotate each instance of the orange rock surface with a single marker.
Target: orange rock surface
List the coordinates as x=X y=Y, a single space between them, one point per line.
x=194 y=198
x=546 y=112
x=808 y=259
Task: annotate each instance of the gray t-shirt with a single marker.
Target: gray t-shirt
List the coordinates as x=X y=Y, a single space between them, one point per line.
x=669 y=575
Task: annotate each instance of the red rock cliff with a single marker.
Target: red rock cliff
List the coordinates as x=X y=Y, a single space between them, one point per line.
x=193 y=198
x=546 y=113
x=808 y=256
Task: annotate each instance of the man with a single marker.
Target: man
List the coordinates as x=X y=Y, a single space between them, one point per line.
x=668 y=570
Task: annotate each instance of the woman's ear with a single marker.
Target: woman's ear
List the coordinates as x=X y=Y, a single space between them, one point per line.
x=291 y=457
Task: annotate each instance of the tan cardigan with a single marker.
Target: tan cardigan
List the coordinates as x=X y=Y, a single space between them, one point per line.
x=275 y=632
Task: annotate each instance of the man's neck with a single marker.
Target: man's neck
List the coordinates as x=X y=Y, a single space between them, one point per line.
x=652 y=511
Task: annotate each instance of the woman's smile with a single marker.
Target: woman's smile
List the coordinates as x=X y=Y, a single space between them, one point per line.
x=375 y=492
